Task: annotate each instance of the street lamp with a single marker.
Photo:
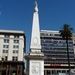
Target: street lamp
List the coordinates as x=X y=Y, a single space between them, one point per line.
x=54 y=59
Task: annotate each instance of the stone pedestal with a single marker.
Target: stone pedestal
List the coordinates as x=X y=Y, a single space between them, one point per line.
x=35 y=64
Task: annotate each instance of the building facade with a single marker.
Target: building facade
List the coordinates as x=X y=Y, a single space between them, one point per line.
x=54 y=48
x=12 y=48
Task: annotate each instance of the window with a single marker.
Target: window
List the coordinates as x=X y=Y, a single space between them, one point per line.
x=15 y=51
x=5 y=46
x=15 y=58
x=15 y=46
x=42 y=34
x=6 y=41
x=16 y=41
x=7 y=36
x=57 y=34
x=16 y=36
x=51 y=34
x=5 y=51
x=6 y=58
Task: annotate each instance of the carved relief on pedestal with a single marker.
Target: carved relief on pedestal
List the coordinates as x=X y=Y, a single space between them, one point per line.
x=35 y=68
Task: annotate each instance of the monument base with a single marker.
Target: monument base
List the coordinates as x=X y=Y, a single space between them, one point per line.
x=35 y=63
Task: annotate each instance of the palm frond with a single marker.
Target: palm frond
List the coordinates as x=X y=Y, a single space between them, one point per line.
x=66 y=31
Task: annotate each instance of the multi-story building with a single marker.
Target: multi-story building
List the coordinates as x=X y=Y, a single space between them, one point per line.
x=54 y=48
x=12 y=48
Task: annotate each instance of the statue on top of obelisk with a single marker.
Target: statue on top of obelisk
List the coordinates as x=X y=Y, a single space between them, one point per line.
x=35 y=7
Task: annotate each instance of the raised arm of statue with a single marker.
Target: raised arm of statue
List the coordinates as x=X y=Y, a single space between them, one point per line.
x=35 y=7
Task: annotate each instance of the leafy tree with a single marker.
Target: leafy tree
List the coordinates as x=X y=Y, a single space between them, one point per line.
x=66 y=33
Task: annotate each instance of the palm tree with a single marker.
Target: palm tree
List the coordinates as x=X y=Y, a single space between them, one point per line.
x=66 y=33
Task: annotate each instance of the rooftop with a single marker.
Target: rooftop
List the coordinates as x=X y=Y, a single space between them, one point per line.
x=48 y=31
x=11 y=31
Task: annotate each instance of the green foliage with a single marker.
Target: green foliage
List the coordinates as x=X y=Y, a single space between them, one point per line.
x=66 y=31
x=13 y=74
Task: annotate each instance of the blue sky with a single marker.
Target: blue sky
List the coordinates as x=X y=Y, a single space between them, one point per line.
x=18 y=14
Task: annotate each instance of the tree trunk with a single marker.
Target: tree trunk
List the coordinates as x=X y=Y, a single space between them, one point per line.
x=68 y=55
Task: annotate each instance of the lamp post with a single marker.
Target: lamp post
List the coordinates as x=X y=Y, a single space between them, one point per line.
x=54 y=59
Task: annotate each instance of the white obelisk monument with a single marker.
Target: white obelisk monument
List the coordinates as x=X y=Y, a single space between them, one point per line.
x=35 y=58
